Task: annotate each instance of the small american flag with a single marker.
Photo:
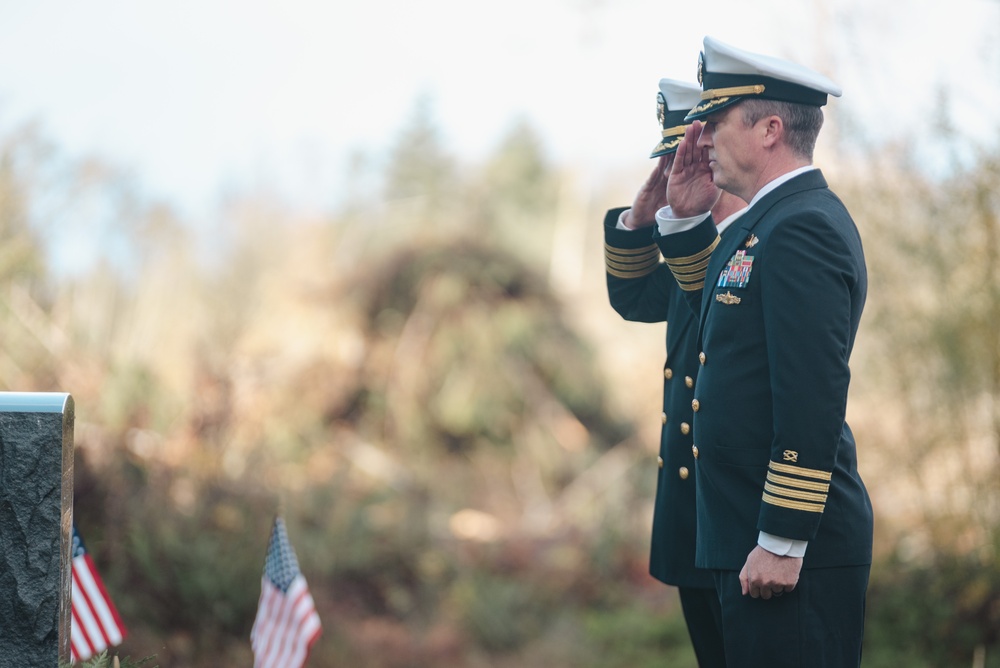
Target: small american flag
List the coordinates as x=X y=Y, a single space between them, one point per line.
x=96 y=625
x=286 y=625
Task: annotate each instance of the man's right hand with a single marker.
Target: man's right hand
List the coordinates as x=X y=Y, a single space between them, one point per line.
x=651 y=197
x=691 y=189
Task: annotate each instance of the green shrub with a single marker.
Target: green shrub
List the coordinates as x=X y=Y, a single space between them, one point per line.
x=934 y=614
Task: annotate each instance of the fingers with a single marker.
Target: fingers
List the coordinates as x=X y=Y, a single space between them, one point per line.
x=666 y=162
x=763 y=592
x=683 y=156
x=760 y=589
x=692 y=153
x=667 y=165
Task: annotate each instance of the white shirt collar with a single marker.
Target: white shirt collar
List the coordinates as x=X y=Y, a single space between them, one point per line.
x=721 y=227
x=778 y=181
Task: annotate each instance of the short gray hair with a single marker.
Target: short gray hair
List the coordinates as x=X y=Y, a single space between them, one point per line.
x=802 y=122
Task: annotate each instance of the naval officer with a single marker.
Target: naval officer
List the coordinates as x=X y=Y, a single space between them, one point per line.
x=784 y=519
x=642 y=289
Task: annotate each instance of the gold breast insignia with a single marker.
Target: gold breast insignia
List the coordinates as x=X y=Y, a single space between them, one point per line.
x=728 y=298
x=752 y=241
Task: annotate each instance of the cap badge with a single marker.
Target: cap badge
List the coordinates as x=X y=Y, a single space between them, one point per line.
x=661 y=108
x=701 y=68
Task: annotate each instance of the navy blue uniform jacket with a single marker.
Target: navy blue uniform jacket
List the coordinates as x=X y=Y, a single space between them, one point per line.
x=642 y=289
x=779 y=304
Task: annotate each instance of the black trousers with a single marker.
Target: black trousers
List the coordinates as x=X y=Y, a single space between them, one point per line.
x=818 y=625
x=703 y=615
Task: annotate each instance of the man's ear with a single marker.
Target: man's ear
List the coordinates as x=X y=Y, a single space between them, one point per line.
x=773 y=130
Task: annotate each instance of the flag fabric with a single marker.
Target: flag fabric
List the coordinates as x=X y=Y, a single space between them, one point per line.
x=287 y=624
x=95 y=625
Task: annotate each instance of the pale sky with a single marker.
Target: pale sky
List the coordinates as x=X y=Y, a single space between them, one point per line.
x=197 y=96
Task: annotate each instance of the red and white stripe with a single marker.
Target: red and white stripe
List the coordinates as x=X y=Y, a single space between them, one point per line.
x=96 y=625
x=286 y=625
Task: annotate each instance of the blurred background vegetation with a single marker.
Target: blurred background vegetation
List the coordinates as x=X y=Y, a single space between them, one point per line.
x=430 y=386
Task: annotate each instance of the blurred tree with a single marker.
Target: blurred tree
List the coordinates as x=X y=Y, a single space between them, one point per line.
x=521 y=182
x=421 y=177
x=23 y=157
x=931 y=344
x=514 y=197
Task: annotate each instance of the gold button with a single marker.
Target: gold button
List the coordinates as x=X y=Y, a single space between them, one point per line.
x=683 y=472
x=659 y=460
x=695 y=405
x=701 y=357
x=663 y=418
x=685 y=428
x=694 y=451
x=668 y=373
x=689 y=381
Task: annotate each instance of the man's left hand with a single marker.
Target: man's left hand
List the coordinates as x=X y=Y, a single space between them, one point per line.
x=765 y=574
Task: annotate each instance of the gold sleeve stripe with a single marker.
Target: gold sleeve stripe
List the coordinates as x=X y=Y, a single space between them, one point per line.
x=635 y=273
x=801 y=484
x=794 y=505
x=690 y=271
x=700 y=255
x=631 y=262
x=794 y=494
x=801 y=470
x=690 y=280
x=632 y=266
x=631 y=252
x=625 y=260
x=685 y=269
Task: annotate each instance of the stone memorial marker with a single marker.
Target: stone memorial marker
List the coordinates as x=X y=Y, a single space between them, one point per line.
x=36 y=519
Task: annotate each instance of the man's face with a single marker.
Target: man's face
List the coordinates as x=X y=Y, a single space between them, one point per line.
x=730 y=150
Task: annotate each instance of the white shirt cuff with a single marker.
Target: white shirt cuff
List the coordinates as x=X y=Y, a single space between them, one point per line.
x=783 y=547
x=621 y=217
x=669 y=225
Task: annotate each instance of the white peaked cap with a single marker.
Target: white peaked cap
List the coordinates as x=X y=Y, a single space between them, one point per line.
x=729 y=74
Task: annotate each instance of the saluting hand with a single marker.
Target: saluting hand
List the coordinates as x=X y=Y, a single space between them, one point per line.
x=652 y=196
x=766 y=574
x=691 y=189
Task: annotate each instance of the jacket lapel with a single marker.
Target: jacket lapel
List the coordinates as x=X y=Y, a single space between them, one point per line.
x=728 y=246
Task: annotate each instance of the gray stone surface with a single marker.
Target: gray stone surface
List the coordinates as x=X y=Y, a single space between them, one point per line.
x=36 y=518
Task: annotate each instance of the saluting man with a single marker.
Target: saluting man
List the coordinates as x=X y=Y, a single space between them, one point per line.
x=784 y=519
x=641 y=288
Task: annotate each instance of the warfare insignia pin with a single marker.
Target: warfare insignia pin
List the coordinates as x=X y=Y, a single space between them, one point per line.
x=752 y=240
x=737 y=273
x=728 y=299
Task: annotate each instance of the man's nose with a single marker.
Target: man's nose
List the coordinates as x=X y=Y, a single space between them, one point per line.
x=704 y=137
